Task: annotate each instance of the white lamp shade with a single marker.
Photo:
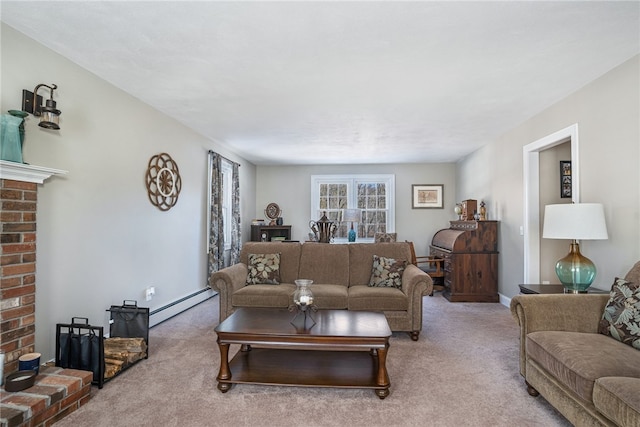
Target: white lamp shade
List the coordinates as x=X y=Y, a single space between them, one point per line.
x=579 y=221
x=351 y=215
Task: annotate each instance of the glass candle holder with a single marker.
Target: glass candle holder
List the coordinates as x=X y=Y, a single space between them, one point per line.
x=303 y=304
x=303 y=297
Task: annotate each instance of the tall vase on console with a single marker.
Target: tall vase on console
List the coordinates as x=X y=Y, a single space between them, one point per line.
x=323 y=229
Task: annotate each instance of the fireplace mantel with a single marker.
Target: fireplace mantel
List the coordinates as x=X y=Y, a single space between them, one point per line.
x=27 y=173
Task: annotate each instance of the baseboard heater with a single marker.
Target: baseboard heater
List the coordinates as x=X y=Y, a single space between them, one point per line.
x=176 y=307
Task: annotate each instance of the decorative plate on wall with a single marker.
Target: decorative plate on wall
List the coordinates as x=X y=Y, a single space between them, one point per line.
x=272 y=211
x=163 y=181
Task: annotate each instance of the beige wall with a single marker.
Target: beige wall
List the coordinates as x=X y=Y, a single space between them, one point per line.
x=607 y=112
x=100 y=240
x=290 y=188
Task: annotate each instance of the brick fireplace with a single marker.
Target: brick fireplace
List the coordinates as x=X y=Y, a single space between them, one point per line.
x=18 y=202
x=18 y=265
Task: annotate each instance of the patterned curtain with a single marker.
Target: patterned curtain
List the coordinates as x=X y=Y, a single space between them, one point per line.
x=216 y=241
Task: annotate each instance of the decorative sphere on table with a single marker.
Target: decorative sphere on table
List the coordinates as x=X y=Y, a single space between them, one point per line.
x=458 y=210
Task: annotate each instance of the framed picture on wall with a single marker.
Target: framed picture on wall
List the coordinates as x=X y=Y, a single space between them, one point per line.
x=427 y=196
x=565 y=179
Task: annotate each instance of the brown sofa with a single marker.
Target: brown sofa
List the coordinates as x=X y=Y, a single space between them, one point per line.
x=591 y=378
x=340 y=274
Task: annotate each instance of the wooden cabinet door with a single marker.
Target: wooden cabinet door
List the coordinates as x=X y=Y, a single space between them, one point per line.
x=473 y=278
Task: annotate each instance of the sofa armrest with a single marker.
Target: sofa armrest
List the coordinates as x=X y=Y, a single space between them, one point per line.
x=556 y=312
x=226 y=282
x=415 y=282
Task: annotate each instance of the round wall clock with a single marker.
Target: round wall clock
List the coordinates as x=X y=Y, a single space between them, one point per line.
x=163 y=181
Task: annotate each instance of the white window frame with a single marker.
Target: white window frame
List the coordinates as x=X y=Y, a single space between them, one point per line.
x=352 y=181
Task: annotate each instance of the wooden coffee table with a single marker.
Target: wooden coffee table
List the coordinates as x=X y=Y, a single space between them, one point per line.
x=343 y=349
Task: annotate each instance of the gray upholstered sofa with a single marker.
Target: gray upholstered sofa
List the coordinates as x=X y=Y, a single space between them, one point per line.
x=591 y=378
x=340 y=274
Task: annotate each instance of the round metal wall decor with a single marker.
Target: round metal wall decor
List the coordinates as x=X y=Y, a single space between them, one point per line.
x=163 y=181
x=272 y=211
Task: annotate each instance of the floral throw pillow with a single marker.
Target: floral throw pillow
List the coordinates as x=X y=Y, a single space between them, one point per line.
x=264 y=269
x=387 y=272
x=621 y=317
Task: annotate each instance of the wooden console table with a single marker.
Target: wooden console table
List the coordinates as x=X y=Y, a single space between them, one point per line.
x=267 y=233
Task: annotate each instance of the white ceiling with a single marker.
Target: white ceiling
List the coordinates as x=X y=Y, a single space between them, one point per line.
x=341 y=82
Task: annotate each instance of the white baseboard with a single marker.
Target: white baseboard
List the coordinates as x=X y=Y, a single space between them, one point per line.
x=178 y=306
x=505 y=300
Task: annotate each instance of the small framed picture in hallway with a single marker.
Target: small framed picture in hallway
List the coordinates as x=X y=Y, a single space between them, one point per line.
x=565 y=179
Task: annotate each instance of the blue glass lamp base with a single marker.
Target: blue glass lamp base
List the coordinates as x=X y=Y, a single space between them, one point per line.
x=576 y=272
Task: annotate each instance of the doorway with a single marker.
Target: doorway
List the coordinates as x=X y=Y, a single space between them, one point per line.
x=532 y=220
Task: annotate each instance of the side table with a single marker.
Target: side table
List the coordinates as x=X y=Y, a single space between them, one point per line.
x=553 y=289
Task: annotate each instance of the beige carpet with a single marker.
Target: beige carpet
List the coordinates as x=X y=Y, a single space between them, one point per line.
x=462 y=372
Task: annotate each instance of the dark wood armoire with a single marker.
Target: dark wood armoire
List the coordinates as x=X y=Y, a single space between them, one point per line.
x=470 y=253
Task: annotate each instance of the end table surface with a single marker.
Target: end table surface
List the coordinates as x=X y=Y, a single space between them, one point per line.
x=554 y=289
x=343 y=349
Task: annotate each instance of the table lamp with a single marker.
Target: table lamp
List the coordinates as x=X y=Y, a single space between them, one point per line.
x=351 y=215
x=576 y=221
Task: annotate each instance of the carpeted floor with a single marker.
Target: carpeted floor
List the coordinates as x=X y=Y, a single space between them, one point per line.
x=462 y=372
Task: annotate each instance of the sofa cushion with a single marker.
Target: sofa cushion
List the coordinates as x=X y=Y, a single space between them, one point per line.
x=327 y=297
x=577 y=359
x=362 y=297
x=315 y=258
x=618 y=398
x=264 y=296
x=387 y=272
x=263 y=269
x=621 y=317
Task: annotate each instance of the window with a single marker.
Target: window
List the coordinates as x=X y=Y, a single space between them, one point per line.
x=227 y=201
x=374 y=195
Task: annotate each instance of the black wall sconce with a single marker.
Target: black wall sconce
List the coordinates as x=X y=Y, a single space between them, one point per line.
x=32 y=103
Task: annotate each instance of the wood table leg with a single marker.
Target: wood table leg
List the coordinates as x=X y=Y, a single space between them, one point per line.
x=382 y=378
x=225 y=372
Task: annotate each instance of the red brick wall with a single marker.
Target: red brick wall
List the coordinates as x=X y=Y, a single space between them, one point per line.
x=18 y=267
